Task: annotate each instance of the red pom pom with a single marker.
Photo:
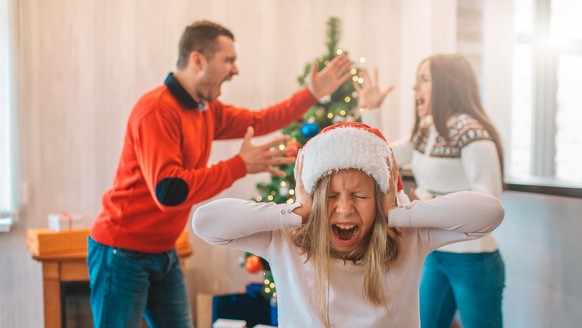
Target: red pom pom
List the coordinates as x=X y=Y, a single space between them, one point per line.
x=253 y=264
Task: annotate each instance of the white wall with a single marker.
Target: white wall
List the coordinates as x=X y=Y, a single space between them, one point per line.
x=497 y=60
x=426 y=28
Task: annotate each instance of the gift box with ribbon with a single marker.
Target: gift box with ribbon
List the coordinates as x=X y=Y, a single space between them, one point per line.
x=65 y=221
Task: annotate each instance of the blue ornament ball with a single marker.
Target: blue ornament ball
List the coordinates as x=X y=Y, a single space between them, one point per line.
x=309 y=130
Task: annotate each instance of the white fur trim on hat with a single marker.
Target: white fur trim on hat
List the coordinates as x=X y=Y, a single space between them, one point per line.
x=345 y=148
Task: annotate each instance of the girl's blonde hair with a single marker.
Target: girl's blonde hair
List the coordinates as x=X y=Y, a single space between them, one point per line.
x=377 y=254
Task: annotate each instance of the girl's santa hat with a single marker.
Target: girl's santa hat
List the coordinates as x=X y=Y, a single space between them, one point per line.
x=348 y=145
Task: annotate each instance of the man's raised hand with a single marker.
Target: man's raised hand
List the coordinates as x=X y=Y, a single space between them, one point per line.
x=331 y=77
x=263 y=158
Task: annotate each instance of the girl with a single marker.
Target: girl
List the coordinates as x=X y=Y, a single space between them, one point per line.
x=349 y=251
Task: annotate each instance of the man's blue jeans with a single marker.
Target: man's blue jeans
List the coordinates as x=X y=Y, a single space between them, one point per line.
x=471 y=283
x=126 y=285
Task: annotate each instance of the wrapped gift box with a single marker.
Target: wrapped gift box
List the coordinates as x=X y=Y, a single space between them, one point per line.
x=229 y=323
x=64 y=221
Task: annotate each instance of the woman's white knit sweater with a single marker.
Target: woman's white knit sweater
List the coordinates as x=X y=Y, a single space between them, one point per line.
x=468 y=162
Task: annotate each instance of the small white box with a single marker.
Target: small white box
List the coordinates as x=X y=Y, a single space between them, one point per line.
x=229 y=323
x=65 y=221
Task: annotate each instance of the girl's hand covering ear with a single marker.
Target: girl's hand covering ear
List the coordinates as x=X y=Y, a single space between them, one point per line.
x=301 y=196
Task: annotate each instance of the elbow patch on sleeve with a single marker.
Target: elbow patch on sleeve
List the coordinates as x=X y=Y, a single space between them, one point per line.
x=171 y=191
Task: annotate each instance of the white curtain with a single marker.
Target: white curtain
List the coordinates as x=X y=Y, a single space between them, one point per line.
x=8 y=89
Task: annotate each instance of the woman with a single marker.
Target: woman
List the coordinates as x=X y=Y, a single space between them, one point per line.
x=454 y=146
x=349 y=251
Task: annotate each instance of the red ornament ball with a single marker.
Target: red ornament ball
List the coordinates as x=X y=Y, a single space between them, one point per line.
x=253 y=264
x=292 y=144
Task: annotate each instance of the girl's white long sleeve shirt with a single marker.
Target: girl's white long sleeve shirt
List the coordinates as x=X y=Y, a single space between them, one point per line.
x=264 y=229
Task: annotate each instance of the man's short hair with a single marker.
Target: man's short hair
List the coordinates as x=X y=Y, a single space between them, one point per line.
x=200 y=36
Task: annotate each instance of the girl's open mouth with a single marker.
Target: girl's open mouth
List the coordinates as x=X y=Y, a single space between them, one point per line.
x=344 y=231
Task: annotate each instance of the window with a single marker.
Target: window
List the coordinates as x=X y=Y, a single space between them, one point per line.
x=7 y=120
x=546 y=118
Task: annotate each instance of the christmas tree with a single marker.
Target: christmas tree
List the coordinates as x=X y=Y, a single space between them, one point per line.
x=341 y=106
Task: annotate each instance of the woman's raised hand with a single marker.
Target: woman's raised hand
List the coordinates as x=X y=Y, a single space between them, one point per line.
x=369 y=94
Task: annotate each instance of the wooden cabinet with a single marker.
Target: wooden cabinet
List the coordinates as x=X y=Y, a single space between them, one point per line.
x=72 y=267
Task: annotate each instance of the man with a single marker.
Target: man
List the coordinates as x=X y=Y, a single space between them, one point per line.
x=133 y=266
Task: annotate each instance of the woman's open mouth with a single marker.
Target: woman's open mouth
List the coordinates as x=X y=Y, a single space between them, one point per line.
x=345 y=231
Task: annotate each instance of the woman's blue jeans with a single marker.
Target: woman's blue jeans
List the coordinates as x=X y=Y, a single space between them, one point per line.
x=471 y=283
x=127 y=285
